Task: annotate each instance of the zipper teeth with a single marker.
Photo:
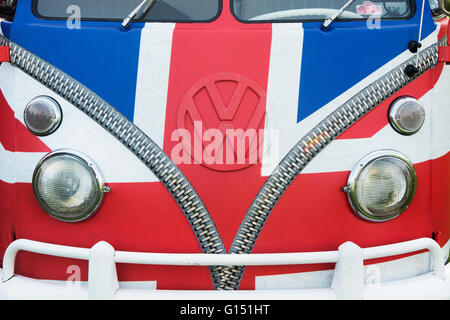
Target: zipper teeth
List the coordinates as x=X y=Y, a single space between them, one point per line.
x=224 y=278
x=306 y=150
x=131 y=137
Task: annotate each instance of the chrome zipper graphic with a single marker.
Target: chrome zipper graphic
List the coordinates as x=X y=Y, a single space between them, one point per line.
x=307 y=149
x=131 y=137
x=224 y=278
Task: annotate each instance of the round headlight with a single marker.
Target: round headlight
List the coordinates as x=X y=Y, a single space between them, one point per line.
x=407 y=115
x=42 y=115
x=381 y=185
x=68 y=185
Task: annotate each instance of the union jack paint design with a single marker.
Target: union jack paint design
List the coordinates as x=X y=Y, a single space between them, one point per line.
x=281 y=77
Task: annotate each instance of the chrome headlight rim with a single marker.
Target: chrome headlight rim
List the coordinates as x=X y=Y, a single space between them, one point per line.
x=395 y=107
x=54 y=106
x=99 y=181
x=356 y=173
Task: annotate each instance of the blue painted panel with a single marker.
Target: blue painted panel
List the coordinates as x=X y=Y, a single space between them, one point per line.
x=333 y=61
x=100 y=55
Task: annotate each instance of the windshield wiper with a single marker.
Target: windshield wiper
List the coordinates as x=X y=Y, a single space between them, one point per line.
x=127 y=21
x=330 y=20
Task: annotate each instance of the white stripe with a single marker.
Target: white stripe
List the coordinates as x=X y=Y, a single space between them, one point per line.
x=345 y=153
x=77 y=131
x=282 y=89
x=123 y=285
x=18 y=166
x=153 y=79
x=437 y=101
x=431 y=142
x=374 y=275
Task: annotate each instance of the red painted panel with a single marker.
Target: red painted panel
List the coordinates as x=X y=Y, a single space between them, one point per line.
x=444 y=54
x=14 y=136
x=377 y=119
x=321 y=219
x=313 y=215
x=133 y=217
x=440 y=201
x=318 y=220
x=202 y=53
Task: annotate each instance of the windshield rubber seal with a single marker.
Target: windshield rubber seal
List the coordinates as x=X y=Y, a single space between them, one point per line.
x=36 y=13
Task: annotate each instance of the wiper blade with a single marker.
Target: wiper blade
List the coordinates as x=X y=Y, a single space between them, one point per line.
x=330 y=20
x=127 y=21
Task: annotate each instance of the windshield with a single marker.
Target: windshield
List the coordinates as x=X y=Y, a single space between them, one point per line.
x=162 y=10
x=301 y=10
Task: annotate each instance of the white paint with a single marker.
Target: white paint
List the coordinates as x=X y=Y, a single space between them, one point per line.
x=137 y=285
x=153 y=79
x=18 y=166
x=431 y=142
x=437 y=101
x=226 y=259
x=290 y=281
x=282 y=88
x=422 y=287
x=77 y=131
x=348 y=279
x=82 y=134
x=103 y=282
x=345 y=153
x=125 y=285
x=374 y=275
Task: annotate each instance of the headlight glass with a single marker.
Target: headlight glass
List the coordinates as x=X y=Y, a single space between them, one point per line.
x=42 y=115
x=68 y=186
x=407 y=115
x=382 y=185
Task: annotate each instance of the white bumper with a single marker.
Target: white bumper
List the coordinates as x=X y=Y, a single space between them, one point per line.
x=347 y=283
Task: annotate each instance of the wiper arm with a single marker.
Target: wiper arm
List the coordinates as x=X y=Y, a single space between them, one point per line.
x=127 y=21
x=330 y=20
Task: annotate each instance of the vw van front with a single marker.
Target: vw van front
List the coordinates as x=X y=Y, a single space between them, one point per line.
x=224 y=149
